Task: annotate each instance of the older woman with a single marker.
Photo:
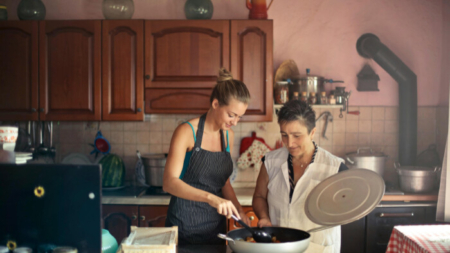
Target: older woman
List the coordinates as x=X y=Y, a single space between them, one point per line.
x=289 y=174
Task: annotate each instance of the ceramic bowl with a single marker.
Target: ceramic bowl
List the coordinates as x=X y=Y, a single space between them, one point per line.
x=8 y=134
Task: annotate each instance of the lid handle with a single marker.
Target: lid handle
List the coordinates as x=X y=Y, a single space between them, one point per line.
x=364 y=148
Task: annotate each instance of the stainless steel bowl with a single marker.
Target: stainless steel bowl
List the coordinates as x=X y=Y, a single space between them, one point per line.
x=415 y=179
x=154 y=168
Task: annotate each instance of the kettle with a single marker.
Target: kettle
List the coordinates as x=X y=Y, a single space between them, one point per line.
x=258 y=9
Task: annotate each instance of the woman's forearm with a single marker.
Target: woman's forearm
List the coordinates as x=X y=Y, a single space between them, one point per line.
x=260 y=207
x=178 y=188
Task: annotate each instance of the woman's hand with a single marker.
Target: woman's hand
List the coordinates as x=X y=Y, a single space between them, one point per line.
x=264 y=222
x=223 y=206
x=245 y=218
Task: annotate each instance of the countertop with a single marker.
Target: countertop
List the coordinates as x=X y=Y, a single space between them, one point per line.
x=244 y=196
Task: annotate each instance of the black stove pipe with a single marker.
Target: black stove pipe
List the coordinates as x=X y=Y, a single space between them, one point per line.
x=370 y=46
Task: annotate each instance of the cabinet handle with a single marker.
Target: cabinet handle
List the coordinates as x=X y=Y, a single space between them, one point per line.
x=396 y=215
x=142 y=217
x=134 y=217
x=33 y=109
x=41 y=109
x=251 y=217
x=147 y=77
x=139 y=109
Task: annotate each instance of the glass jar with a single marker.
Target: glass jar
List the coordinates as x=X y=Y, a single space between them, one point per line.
x=295 y=96
x=118 y=9
x=281 y=91
x=323 y=98
x=304 y=97
x=31 y=10
x=332 y=100
x=3 y=13
x=198 y=9
x=312 y=98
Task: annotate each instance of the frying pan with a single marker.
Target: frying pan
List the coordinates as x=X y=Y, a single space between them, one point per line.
x=291 y=240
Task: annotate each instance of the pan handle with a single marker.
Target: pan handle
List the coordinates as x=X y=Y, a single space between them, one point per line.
x=222 y=236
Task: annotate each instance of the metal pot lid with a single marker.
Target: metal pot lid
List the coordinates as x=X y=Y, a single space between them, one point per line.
x=344 y=197
x=366 y=152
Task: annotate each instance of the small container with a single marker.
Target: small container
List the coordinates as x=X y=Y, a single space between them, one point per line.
x=295 y=96
x=3 y=13
x=304 y=97
x=281 y=92
x=323 y=98
x=332 y=100
x=312 y=98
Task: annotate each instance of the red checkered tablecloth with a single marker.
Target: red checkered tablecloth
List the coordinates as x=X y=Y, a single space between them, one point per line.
x=420 y=239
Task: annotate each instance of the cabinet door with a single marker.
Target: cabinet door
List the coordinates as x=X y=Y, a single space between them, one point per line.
x=353 y=236
x=381 y=221
x=185 y=54
x=122 y=69
x=152 y=216
x=252 y=63
x=250 y=214
x=19 y=70
x=70 y=70
x=118 y=219
x=177 y=100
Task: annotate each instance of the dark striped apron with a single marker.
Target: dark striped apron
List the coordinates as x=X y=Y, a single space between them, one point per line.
x=198 y=222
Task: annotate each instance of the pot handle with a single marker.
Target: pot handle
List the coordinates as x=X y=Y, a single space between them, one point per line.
x=365 y=148
x=397 y=165
x=350 y=160
x=437 y=169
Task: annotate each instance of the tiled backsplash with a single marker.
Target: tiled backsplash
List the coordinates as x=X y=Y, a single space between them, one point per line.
x=375 y=127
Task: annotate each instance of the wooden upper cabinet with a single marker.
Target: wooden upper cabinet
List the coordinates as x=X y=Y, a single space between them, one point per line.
x=185 y=54
x=19 y=70
x=252 y=63
x=70 y=70
x=122 y=70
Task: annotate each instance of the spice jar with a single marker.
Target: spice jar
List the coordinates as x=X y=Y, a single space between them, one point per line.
x=304 y=98
x=295 y=96
x=312 y=98
x=281 y=92
x=323 y=98
x=332 y=100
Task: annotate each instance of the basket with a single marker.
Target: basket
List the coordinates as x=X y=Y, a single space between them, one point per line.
x=150 y=240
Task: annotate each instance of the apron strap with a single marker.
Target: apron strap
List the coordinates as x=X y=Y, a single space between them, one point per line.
x=222 y=140
x=201 y=126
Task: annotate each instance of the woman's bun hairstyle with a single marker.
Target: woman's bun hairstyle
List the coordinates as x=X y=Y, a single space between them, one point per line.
x=228 y=88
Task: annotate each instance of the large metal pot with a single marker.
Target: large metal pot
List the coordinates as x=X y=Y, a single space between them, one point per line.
x=366 y=158
x=415 y=179
x=292 y=240
x=154 y=168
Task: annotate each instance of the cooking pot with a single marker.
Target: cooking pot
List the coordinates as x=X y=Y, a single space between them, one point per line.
x=310 y=84
x=292 y=240
x=416 y=179
x=154 y=168
x=366 y=158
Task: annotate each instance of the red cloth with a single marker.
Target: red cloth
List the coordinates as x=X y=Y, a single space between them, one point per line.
x=420 y=239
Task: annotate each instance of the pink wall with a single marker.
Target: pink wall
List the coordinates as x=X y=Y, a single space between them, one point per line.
x=322 y=34
x=445 y=64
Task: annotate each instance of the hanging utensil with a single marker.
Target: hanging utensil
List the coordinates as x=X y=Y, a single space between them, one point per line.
x=52 y=149
x=258 y=235
x=42 y=148
x=329 y=118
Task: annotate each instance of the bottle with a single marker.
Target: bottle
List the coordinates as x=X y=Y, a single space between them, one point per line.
x=295 y=96
x=332 y=100
x=304 y=98
x=323 y=98
x=312 y=98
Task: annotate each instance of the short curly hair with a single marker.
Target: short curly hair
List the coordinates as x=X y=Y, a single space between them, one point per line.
x=297 y=110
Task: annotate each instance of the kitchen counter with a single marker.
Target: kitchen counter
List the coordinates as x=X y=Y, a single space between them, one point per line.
x=244 y=196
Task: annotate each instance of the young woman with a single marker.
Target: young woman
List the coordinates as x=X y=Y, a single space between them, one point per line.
x=199 y=166
x=288 y=175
